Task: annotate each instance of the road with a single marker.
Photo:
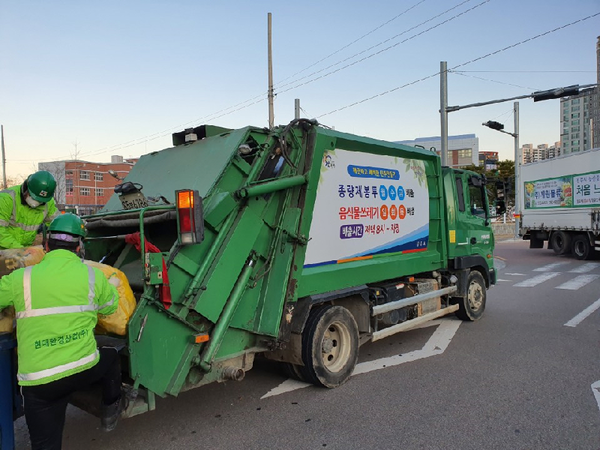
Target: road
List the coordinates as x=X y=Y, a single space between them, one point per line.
x=522 y=377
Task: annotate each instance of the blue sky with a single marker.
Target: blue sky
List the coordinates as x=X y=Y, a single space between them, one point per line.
x=118 y=77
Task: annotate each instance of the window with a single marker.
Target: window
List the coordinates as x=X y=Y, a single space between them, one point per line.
x=575 y=116
x=460 y=195
x=98 y=176
x=99 y=192
x=84 y=191
x=575 y=101
x=69 y=186
x=575 y=122
x=68 y=173
x=465 y=153
x=477 y=202
x=84 y=175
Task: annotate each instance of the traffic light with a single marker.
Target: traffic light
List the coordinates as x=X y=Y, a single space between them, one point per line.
x=494 y=125
x=538 y=96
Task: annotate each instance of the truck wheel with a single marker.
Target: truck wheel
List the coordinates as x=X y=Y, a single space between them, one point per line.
x=329 y=346
x=293 y=371
x=560 y=242
x=472 y=306
x=582 y=249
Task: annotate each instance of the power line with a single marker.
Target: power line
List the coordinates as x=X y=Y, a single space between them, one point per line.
x=463 y=64
x=379 y=44
x=493 y=81
x=355 y=41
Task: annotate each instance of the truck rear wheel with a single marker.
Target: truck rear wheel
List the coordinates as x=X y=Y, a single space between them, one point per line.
x=582 y=248
x=560 y=242
x=329 y=346
x=471 y=307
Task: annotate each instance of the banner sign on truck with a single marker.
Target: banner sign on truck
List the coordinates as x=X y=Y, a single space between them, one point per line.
x=368 y=205
x=563 y=192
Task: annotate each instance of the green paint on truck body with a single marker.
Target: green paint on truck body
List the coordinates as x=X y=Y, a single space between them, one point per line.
x=272 y=229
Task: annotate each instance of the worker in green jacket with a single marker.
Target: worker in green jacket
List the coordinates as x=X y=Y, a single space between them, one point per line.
x=24 y=208
x=57 y=303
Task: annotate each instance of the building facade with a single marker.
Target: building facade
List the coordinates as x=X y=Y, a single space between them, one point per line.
x=489 y=160
x=463 y=150
x=84 y=186
x=580 y=117
x=530 y=154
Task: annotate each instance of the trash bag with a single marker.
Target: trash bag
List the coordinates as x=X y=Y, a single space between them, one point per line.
x=10 y=260
x=116 y=323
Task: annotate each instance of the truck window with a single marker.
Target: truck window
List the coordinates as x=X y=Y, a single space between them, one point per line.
x=477 y=201
x=460 y=195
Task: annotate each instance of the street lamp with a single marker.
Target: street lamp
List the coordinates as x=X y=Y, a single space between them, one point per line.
x=500 y=127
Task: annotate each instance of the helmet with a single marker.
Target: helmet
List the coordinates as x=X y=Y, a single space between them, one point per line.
x=67 y=223
x=41 y=186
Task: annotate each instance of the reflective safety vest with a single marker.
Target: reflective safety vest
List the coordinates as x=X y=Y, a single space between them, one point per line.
x=18 y=222
x=57 y=303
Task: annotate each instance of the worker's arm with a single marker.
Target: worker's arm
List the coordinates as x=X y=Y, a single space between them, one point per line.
x=53 y=212
x=7 y=240
x=7 y=294
x=107 y=296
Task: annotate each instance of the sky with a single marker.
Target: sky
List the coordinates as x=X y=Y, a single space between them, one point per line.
x=88 y=80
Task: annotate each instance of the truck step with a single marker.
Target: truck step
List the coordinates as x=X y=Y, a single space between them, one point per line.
x=409 y=324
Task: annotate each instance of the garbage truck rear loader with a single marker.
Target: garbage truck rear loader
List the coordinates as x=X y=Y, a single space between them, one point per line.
x=301 y=243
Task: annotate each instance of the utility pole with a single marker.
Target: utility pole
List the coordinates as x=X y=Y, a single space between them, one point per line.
x=297 y=108
x=444 y=110
x=517 y=211
x=270 y=92
x=3 y=159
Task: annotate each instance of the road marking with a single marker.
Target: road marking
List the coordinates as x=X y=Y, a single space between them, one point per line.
x=500 y=279
x=436 y=345
x=578 y=282
x=588 y=267
x=550 y=267
x=583 y=314
x=538 y=279
x=516 y=274
x=596 y=391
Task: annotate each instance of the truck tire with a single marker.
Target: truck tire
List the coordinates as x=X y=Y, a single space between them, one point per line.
x=560 y=242
x=471 y=307
x=293 y=371
x=329 y=346
x=582 y=248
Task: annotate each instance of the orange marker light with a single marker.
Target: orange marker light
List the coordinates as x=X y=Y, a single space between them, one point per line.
x=185 y=199
x=200 y=338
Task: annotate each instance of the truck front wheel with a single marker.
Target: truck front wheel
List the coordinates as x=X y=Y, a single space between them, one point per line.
x=329 y=346
x=471 y=307
x=582 y=248
x=560 y=242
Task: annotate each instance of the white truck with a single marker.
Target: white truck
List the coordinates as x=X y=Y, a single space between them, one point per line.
x=560 y=200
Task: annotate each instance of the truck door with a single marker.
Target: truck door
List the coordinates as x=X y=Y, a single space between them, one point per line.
x=477 y=219
x=473 y=235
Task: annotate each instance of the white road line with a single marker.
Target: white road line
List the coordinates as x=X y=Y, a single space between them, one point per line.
x=588 y=267
x=596 y=391
x=550 y=267
x=436 y=345
x=578 y=282
x=517 y=274
x=500 y=279
x=583 y=314
x=537 y=279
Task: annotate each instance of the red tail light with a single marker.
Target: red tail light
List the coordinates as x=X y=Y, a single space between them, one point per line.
x=189 y=217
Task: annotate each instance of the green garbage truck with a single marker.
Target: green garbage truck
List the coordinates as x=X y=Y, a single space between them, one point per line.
x=300 y=243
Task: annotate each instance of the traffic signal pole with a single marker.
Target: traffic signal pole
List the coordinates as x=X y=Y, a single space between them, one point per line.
x=517 y=211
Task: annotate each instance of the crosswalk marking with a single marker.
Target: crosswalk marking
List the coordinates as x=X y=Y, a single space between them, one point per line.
x=537 y=279
x=588 y=267
x=550 y=267
x=578 y=282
